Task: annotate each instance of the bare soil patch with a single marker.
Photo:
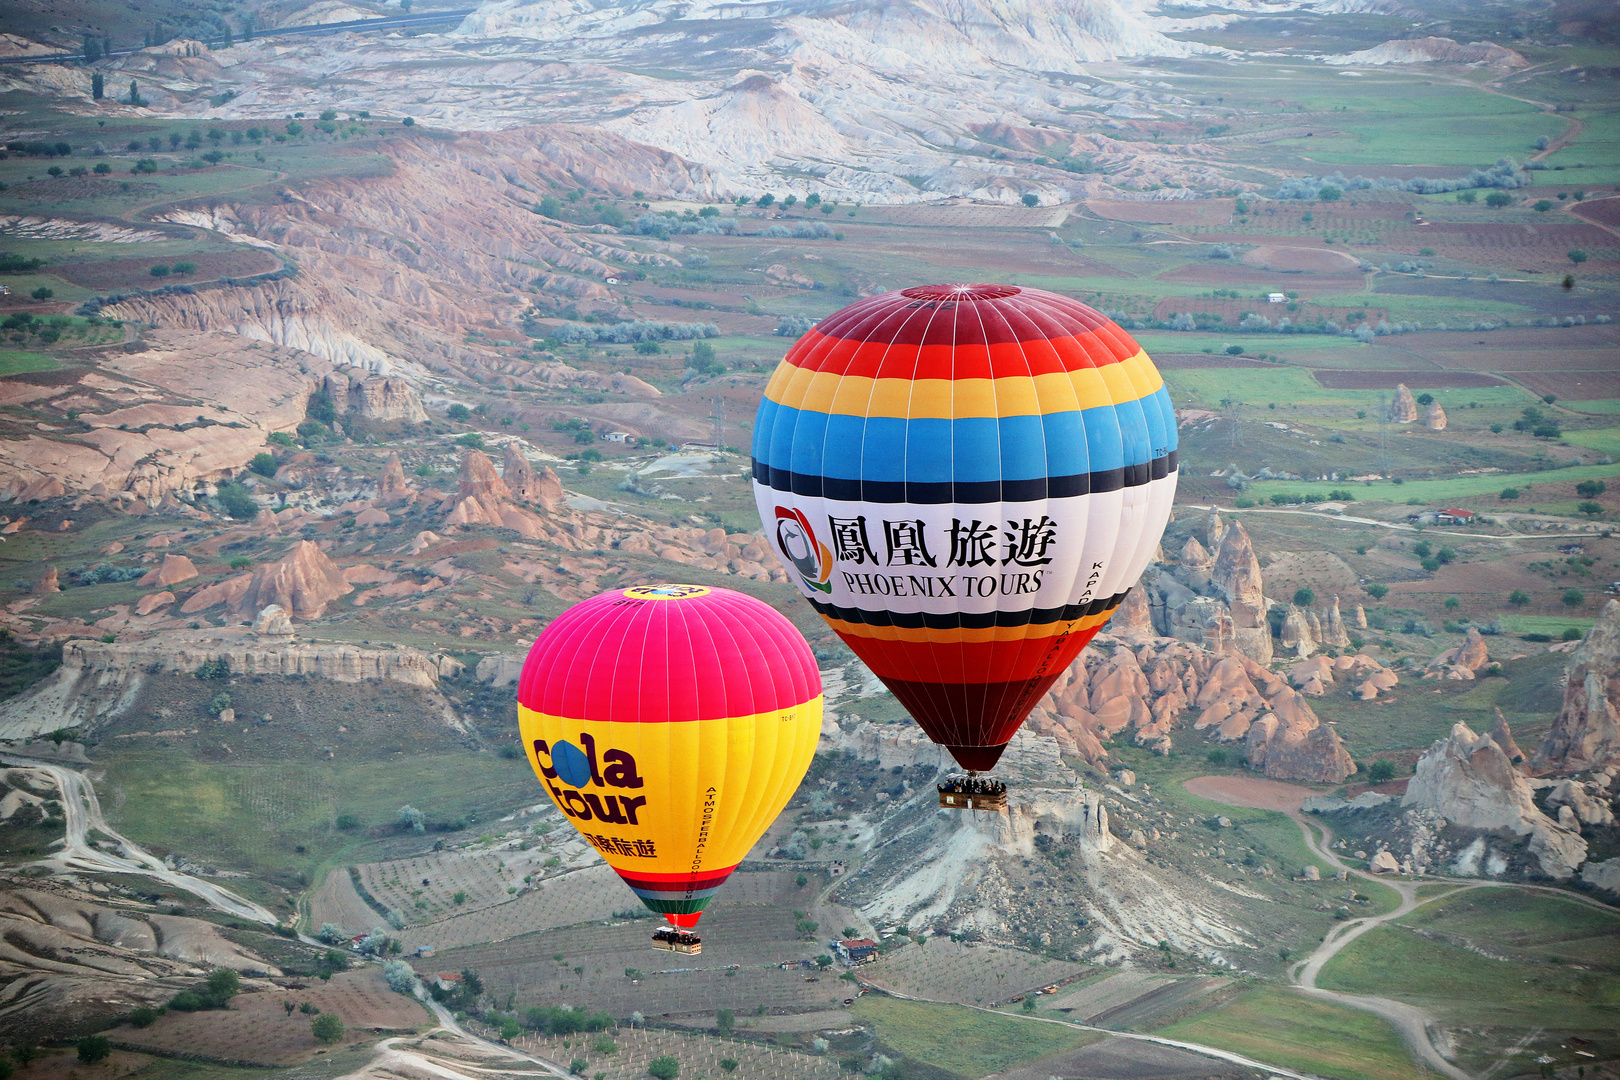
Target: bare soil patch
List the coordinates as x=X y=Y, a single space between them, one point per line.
x=137 y=273
x=1249 y=791
x=1600 y=211
x=1575 y=385
x=1299 y=257
x=1387 y=380
x=337 y=903
x=1178 y=212
x=1192 y=361
x=1536 y=248
x=257 y=1029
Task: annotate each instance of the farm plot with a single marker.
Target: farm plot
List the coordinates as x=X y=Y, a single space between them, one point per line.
x=258 y=1029
x=945 y=970
x=425 y=888
x=738 y=968
x=1224 y=274
x=1540 y=247
x=968 y=216
x=1181 y=212
x=1232 y=311
x=337 y=903
x=588 y=895
x=623 y=1054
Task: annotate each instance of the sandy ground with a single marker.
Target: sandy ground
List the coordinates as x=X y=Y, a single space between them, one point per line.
x=337 y=903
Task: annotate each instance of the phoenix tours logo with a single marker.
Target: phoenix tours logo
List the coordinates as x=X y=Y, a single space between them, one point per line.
x=797 y=541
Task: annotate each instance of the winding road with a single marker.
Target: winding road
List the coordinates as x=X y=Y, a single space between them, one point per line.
x=82 y=811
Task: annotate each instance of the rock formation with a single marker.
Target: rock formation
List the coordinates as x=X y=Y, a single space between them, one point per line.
x=1361 y=617
x=1586 y=734
x=1432 y=50
x=152 y=601
x=543 y=489
x=1403 y=407
x=1237 y=575
x=1435 y=419
x=273 y=621
x=1132 y=621
x=482 y=498
x=1462 y=663
x=1333 y=631
x=391 y=485
x=1469 y=780
x=175 y=569
x=375 y=397
x=304 y=581
x=1296 y=633
x=48 y=582
x=1502 y=736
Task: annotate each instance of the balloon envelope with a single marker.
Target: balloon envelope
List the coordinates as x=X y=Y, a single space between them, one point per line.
x=671 y=724
x=964 y=481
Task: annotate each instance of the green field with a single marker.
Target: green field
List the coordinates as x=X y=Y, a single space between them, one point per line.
x=1428 y=492
x=1603 y=440
x=1285 y=1028
x=1193 y=341
x=13 y=362
x=965 y=1042
x=1516 y=962
x=1600 y=407
x=1544 y=624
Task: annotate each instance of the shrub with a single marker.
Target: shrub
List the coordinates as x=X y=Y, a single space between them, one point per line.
x=1508 y=493
x=473 y=440
x=1304 y=597
x=235 y=501
x=1590 y=489
x=664 y=1068
x=93 y=1048
x=1573 y=598
x=1382 y=771
x=1519 y=598
x=1572 y=634
x=1377 y=591
x=263 y=464
x=458 y=411
x=327 y=1029
x=142 y=1016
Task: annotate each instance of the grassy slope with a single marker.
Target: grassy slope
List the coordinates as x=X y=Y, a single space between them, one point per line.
x=1284 y=1028
x=966 y=1042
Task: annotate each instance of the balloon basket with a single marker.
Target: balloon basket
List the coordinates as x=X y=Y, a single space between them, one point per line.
x=670 y=939
x=972 y=793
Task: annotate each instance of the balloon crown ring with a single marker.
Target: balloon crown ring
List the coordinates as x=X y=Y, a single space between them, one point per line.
x=961 y=292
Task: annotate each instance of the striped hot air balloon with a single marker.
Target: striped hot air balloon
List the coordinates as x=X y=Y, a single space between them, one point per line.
x=964 y=481
x=671 y=724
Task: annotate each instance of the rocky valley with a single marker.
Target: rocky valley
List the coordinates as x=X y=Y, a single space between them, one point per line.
x=338 y=360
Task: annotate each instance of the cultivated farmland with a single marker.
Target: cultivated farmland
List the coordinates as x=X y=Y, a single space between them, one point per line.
x=698 y=1055
x=944 y=970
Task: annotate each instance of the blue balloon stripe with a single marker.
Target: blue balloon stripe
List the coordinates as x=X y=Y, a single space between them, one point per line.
x=974 y=450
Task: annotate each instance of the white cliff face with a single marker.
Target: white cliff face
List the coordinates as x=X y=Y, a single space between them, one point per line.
x=1471 y=782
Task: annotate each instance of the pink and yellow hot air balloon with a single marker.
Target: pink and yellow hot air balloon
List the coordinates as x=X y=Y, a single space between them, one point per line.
x=671 y=724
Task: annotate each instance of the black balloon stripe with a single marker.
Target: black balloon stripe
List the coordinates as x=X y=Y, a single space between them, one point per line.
x=963 y=620
x=986 y=491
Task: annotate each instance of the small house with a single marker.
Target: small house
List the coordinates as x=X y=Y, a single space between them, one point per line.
x=1454 y=517
x=856 y=950
x=445 y=981
x=616 y=436
x=1276 y=298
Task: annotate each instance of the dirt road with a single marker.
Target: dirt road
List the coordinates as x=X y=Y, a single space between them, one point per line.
x=83 y=812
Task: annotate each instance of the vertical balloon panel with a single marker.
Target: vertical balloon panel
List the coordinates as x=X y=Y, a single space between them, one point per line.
x=671 y=724
x=964 y=481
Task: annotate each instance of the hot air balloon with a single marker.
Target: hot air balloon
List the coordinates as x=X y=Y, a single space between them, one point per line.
x=964 y=481
x=670 y=724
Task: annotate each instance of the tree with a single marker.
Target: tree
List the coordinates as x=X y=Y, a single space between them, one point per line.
x=1590 y=489
x=728 y=1064
x=160 y=270
x=224 y=984
x=766 y=200
x=725 y=1020
x=1029 y=1004
x=409 y=121
x=1304 y=597
x=42 y=293
x=1466 y=196
x=1509 y=494
x=1547 y=431
x=1452 y=603
x=1234 y=350
x=1518 y=598
x=1591 y=508
x=1031 y=199
x=184 y=268
x=664 y=1068
x=1382 y=771
x=135 y=94
x=1498 y=199
x=327 y=1029
x=1542 y=206
x=142 y=1016
x=1377 y=591
x=263 y=464
x=1329 y=193
x=102 y=168
x=1577 y=256
x=578 y=1066
x=1573 y=598
x=409 y=817
x=98 y=86
x=812 y=199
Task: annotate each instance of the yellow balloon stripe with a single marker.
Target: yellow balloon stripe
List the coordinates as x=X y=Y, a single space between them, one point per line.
x=926 y=635
x=959 y=399
x=690 y=796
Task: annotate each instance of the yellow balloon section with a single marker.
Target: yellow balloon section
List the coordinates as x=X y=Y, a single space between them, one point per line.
x=671 y=724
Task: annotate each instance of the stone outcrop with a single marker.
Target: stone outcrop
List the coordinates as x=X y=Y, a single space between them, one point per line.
x=542 y=488
x=1502 y=736
x=1237 y=576
x=356 y=392
x=1603 y=875
x=1586 y=734
x=1296 y=633
x=175 y=569
x=1462 y=663
x=152 y=601
x=482 y=498
x=304 y=582
x=391 y=485
x=1132 y=621
x=1435 y=418
x=273 y=621
x=1469 y=780
x=1403 y=407
x=1333 y=632
x=97 y=678
x=48 y=582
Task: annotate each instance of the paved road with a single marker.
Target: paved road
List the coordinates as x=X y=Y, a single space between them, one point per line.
x=83 y=812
